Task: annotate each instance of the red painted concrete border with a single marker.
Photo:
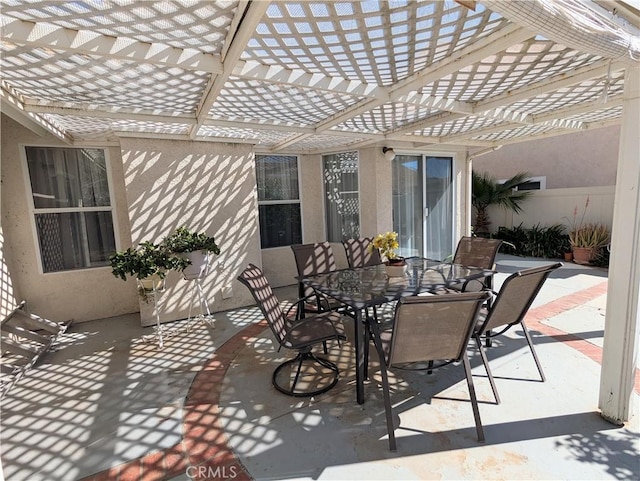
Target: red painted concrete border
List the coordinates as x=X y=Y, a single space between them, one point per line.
x=536 y=315
x=204 y=448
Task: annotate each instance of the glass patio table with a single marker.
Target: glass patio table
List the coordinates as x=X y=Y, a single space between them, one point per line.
x=365 y=287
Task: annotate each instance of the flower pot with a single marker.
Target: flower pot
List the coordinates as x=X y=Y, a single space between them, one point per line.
x=395 y=270
x=583 y=255
x=152 y=283
x=568 y=256
x=199 y=263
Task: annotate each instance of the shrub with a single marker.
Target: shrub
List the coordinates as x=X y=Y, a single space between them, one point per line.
x=549 y=242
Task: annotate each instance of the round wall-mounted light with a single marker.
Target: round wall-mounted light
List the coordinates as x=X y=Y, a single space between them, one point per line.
x=389 y=154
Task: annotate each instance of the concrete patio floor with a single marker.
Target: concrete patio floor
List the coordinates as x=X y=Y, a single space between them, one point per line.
x=106 y=405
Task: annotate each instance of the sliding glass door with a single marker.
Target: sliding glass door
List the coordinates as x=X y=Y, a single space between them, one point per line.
x=423 y=205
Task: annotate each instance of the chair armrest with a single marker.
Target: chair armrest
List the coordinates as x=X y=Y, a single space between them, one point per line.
x=299 y=301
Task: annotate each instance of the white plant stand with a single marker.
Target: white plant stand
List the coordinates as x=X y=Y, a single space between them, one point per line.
x=197 y=295
x=160 y=331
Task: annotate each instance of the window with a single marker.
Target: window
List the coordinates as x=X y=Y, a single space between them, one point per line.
x=71 y=207
x=532 y=183
x=342 y=200
x=278 y=200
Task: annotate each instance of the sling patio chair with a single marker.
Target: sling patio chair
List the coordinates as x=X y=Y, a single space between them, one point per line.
x=428 y=329
x=311 y=259
x=298 y=335
x=509 y=309
x=359 y=253
x=477 y=252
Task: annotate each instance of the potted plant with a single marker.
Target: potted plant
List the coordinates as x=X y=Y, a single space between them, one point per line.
x=194 y=247
x=387 y=244
x=148 y=263
x=586 y=239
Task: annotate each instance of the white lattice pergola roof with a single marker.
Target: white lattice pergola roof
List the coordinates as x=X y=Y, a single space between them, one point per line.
x=305 y=76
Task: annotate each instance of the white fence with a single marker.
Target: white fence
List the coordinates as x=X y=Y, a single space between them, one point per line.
x=557 y=206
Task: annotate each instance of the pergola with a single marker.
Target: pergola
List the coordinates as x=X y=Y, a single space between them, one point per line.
x=317 y=77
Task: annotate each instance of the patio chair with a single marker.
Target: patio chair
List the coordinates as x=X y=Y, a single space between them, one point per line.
x=477 y=252
x=311 y=259
x=298 y=335
x=509 y=308
x=429 y=329
x=358 y=253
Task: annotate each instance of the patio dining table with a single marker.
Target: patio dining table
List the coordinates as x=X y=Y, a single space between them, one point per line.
x=364 y=287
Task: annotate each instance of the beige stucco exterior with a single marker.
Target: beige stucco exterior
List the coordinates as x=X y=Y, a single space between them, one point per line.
x=582 y=159
x=60 y=296
x=158 y=185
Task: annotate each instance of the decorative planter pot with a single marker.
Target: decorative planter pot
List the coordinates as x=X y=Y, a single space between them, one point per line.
x=395 y=270
x=151 y=283
x=583 y=255
x=568 y=256
x=199 y=263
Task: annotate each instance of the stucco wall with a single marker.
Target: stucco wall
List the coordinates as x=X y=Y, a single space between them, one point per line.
x=376 y=208
x=206 y=187
x=78 y=295
x=582 y=159
x=375 y=211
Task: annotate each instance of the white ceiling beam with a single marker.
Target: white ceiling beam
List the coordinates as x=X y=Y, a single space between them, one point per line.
x=115 y=113
x=558 y=132
x=274 y=74
x=496 y=42
x=430 y=121
x=556 y=118
x=251 y=17
x=435 y=141
x=476 y=51
x=437 y=103
x=469 y=55
x=90 y=43
x=539 y=88
x=238 y=124
x=548 y=85
x=474 y=133
x=14 y=108
x=579 y=109
x=201 y=138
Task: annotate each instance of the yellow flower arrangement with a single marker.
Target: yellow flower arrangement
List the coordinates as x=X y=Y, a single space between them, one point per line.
x=386 y=244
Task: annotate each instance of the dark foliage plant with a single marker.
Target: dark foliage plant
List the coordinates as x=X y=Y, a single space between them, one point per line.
x=146 y=260
x=550 y=242
x=185 y=240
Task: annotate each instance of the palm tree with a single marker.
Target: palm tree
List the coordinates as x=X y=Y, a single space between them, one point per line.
x=485 y=191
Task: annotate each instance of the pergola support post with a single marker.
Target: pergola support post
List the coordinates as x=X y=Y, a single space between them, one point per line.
x=623 y=316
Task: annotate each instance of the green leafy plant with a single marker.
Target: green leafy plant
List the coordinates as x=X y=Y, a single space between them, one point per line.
x=549 y=242
x=486 y=191
x=144 y=261
x=592 y=235
x=184 y=240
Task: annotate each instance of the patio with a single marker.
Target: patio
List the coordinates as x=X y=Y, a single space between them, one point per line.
x=123 y=120
x=104 y=404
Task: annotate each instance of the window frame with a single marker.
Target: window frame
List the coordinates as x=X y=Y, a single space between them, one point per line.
x=541 y=179
x=283 y=201
x=33 y=210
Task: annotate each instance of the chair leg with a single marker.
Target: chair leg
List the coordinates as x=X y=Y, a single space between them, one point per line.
x=299 y=359
x=485 y=361
x=385 y=393
x=474 y=400
x=533 y=351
